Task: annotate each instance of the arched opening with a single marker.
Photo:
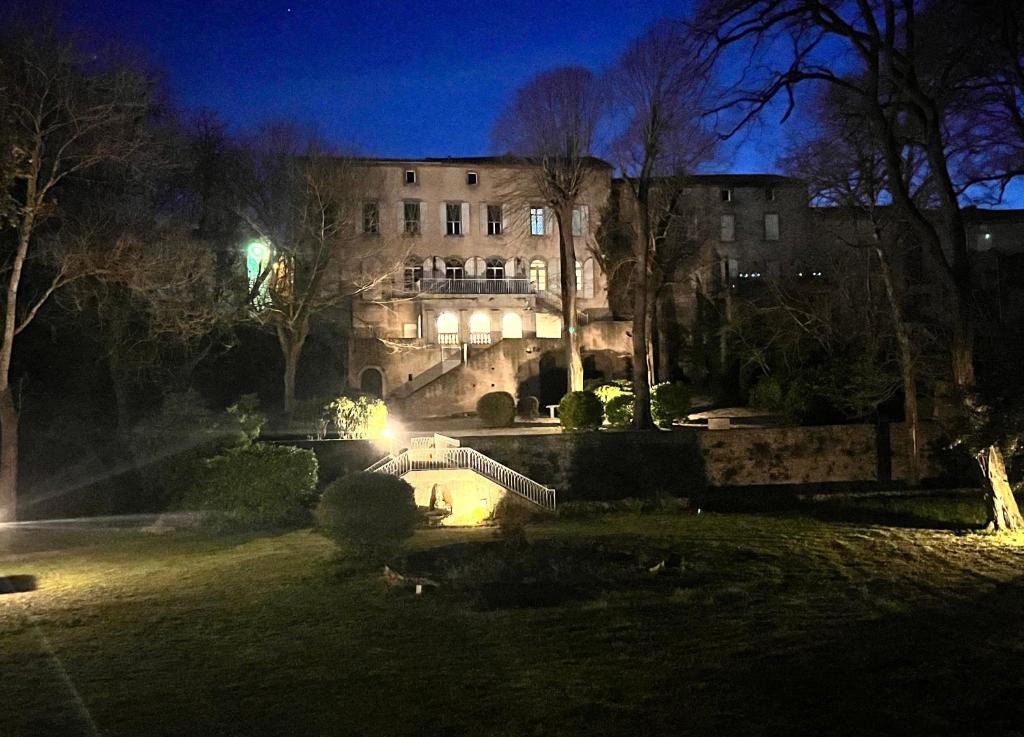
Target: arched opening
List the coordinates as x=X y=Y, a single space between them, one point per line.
x=475 y=267
x=480 y=328
x=511 y=325
x=495 y=268
x=371 y=381
x=453 y=269
x=413 y=273
x=447 y=328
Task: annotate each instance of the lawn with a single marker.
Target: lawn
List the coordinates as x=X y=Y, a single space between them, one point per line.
x=783 y=624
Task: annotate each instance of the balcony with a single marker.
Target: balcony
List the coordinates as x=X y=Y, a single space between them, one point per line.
x=433 y=285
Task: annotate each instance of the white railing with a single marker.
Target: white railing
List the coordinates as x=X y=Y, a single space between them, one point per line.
x=425 y=458
x=376 y=466
x=435 y=285
x=448 y=338
x=443 y=441
x=480 y=338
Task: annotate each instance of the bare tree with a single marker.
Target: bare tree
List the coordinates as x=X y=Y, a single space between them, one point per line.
x=904 y=87
x=657 y=87
x=63 y=116
x=303 y=205
x=550 y=124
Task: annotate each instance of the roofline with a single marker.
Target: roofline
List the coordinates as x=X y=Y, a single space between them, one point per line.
x=468 y=161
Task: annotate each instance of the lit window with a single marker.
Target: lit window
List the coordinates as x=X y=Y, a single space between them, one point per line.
x=494 y=218
x=471 y=178
x=726 y=195
x=412 y=218
x=579 y=276
x=410 y=176
x=371 y=217
x=728 y=228
x=413 y=273
x=539 y=274
x=771 y=226
x=536 y=221
x=453 y=218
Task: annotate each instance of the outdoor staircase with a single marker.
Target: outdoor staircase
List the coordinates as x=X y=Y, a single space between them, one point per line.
x=439 y=452
x=450 y=359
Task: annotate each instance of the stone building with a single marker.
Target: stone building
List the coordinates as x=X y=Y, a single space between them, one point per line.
x=469 y=295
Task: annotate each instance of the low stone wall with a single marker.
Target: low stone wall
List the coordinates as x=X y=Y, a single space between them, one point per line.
x=339 y=458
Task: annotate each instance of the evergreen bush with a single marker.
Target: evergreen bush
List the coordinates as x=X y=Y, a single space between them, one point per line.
x=528 y=408
x=580 y=411
x=670 y=401
x=369 y=513
x=496 y=409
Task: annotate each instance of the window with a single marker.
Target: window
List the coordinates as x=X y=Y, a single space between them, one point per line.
x=769 y=194
x=494 y=219
x=495 y=268
x=412 y=218
x=577 y=222
x=539 y=275
x=471 y=178
x=371 y=217
x=579 y=276
x=771 y=226
x=413 y=273
x=453 y=218
x=536 y=221
x=409 y=330
x=410 y=176
x=453 y=269
x=728 y=228
x=726 y=195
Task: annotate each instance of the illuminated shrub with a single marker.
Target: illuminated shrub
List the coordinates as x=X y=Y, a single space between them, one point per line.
x=669 y=402
x=580 y=411
x=371 y=514
x=528 y=408
x=496 y=409
x=256 y=486
x=357 y=418
x=618 y=410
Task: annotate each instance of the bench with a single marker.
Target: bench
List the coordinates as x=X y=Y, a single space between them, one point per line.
x=551 y=410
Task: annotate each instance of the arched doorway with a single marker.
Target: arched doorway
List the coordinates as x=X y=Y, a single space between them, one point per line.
x=447 y=328
x=479 y=328
x=371 y=382
x=511 y=325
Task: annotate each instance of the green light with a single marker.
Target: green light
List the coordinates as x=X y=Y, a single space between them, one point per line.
x=258 y=251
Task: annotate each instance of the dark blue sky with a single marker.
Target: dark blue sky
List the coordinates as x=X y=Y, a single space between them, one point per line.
x=394 y=78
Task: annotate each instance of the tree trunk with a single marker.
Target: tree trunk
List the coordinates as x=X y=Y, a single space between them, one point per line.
x=8 y=456
x=910 y=413
x=641 y=323
x=291 y=340
x=573 y=360
x=1004 y=513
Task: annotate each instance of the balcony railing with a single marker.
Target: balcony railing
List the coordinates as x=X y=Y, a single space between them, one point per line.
x=448 y=338
x=433 y=285
x=480 y=338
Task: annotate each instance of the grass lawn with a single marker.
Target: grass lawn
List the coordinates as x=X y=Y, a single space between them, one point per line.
x=780 y=624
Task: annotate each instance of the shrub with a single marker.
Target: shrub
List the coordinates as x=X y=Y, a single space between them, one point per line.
x=608 y=391
x=511 y=517
x=767 y=395
x=357 y=418
x=256 y=486
x=371 y=513
x=669 y=402
x=580 y=411
x=528 y=408
x=619 y=410
x=496 y=409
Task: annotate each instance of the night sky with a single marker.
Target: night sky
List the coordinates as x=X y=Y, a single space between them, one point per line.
x=391 y=78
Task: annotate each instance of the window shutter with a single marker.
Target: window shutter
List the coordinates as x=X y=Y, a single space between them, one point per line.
x=428 y=267
x=504 y=219
x=510 y=269
x=588 y=279
x=444 y=218
x=465 y=219
x=483 y=218
x=401 y=217
x=549 y=220
x=555 y=275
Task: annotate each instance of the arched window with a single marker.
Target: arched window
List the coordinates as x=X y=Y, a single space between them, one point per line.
x=371 y=381
x=447 y=328
x=453 y=269
x=588 y=279
x=475 y=267
x=413 y=273
x=579 y=276
x=511 y=325
x=495 y=268
x=539 y=274
x=479 y=328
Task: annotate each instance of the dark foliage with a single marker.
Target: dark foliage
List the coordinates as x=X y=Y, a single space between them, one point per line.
x=580 y=411
x=496 y=409
x=368 y=513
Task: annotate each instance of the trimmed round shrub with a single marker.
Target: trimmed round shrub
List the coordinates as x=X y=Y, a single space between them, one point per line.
x=580 y=411
x=669 y=402
x=369 y=513
x=256 y=486
x=496 y=409
x=619 y=410
x=528 y=408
